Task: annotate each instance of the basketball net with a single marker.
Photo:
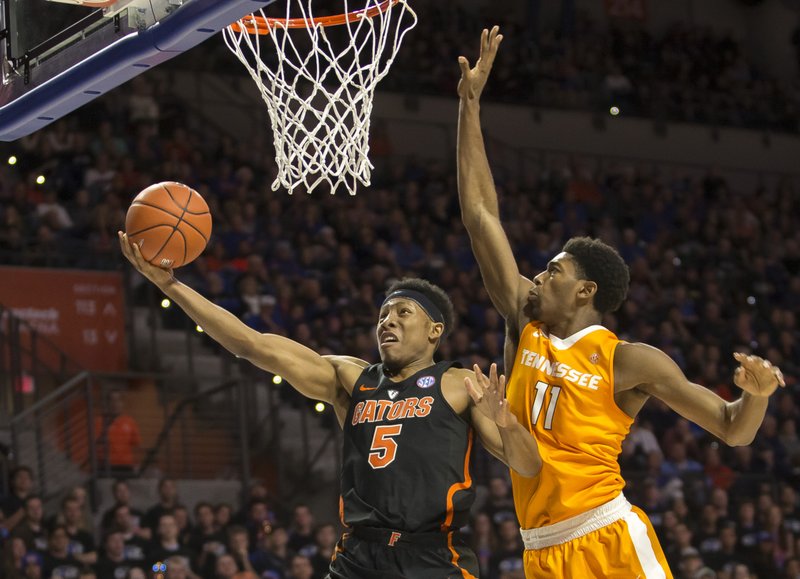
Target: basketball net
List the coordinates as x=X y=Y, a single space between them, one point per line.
x=319 y=99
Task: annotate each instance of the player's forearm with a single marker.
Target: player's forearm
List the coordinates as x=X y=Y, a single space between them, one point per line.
x=475 y=184
x=225 y=328
x=744 y=418
x=520 y=450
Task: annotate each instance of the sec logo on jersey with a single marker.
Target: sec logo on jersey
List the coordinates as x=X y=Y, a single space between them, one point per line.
x=426 y=381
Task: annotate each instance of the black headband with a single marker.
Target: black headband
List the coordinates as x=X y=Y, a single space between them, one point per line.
x=426 y=304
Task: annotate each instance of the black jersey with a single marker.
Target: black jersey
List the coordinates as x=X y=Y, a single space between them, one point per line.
x=406 y=454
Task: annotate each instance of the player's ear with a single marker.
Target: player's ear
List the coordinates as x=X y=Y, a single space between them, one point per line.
x=437 y=330
x=587 y=290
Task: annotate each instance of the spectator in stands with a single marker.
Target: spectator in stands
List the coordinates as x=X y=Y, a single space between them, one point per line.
x=239 y=548
x=119 y=441
x=300 y=568
x=178 y=568
x=258 y=519
x=181 y=515
x=136 y=547
x=21 y=483
x=272 y=554
x=499 y=504
x=222 y=516
x=506 y=562
x=483 y=541
x=323 y=549
x=32 y=566
x=14 y=551
x=122 y=497
x=206 y=539
x=727 y=552
x=31 y=528
x=692 y=566
x=80 y=494
x=114 y=562
x=301 y=533
x=167 y=501
x=167 y=543
x=81 y=543
x=226 y=568
x=58 y=561
x=674 y=546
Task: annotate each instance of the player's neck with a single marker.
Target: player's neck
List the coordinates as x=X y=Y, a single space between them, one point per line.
x=400 y=374
x=574 y=324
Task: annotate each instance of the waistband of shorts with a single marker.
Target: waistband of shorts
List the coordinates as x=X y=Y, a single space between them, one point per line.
x=577 y=526
x=393 y=538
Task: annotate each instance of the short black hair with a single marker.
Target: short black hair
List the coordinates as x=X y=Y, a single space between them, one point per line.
x=434 y=293
x=599 y=262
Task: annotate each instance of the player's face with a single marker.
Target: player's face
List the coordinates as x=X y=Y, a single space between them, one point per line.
x=553 y=293
x=405 y=332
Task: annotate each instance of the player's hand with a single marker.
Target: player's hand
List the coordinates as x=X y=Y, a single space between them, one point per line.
x=474 y=79
x=757 y=376
x=489 y=396
x=159 y=276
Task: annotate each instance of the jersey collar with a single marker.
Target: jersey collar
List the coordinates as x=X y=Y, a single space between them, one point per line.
x=570 y=341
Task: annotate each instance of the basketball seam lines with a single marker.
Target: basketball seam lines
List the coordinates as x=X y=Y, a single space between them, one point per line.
x=185 y=244
x=179 y=217
x=174 y=227
x=186 y=207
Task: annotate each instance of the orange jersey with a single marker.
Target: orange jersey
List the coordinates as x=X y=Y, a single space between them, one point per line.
x=563 y=392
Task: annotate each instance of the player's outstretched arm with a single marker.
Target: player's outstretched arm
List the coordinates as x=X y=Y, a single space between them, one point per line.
x=476 y=191
x=736 y=423
x=498 y=428
x=311 y=374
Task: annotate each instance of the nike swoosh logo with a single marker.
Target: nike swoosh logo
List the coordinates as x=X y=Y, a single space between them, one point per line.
x=364 y=388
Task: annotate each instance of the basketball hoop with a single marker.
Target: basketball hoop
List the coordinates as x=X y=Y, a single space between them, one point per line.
x=319 y=98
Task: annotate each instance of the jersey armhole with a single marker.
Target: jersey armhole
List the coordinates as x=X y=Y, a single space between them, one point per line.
x=613 y=389
x=447 y=402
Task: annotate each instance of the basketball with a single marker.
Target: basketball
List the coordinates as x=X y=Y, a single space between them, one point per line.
x=170 y=223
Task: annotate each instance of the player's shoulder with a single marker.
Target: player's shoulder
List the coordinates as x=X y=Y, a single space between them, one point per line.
x=348 y=369
x=346 y=361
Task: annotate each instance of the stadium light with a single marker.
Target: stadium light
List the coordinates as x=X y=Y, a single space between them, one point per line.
x=12 y=160
x=40 y=180
x=614 y=111
x=319 y=407
x=277 y=379
x=165 y=303
x=199 y=329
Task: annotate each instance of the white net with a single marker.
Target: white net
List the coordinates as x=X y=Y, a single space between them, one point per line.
x=318 y=82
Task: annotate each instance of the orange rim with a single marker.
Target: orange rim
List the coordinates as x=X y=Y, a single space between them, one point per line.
x=253 y=24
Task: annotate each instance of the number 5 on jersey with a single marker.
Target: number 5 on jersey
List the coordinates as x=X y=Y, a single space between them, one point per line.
x=384 y=448
x=538 y=402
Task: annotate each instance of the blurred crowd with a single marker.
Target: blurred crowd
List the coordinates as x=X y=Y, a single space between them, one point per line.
x=689 y=73
x=715 y=268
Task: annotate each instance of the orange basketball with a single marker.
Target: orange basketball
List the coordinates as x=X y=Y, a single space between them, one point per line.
x=170 y=222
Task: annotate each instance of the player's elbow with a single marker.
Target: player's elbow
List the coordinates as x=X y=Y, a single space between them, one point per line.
x=739 y=438
x=529 y=468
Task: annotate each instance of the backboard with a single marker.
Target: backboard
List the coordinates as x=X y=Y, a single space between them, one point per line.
x=60 y=54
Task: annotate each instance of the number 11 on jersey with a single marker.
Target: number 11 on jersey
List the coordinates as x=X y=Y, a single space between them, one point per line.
x=541 y=390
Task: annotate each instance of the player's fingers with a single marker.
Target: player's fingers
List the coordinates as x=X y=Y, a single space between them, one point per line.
x=472 y=391
x=501 y=388
x=779 y=376
x=125 y=245
x=483 y=381
x=463 y=64
x=493 y=376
